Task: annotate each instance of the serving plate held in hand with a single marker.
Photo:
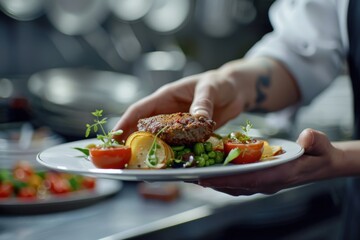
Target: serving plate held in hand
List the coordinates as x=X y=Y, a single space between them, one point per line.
x=65 y=158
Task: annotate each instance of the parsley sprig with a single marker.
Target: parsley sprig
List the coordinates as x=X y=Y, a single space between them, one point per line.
x=244 y=135
x=107 y=138
x=246 y=129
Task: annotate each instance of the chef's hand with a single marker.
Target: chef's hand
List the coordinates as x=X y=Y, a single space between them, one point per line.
x=221 y=94
x=204 y=94
x=320 y=161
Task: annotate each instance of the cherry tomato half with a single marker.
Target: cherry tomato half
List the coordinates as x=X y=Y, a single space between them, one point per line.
x=250 y=152
x=88 y=183
x=112 y=157
x=6 y=189
x=27 y=192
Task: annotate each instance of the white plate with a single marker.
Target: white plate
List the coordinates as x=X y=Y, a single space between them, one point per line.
x=64 y=158
x=104 y=188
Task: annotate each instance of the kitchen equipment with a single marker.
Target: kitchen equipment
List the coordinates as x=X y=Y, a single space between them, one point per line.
x=167 y=16
x=160 y=67
x=130 y=10
x=22 y=10
x=22 y=142
x=63 y=99
x=76 y=17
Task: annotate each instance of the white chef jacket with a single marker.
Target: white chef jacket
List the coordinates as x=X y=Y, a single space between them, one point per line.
x=310 y=37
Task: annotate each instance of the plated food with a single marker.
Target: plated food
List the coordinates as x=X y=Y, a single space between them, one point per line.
x=178 y=128
x=25 y=182
x=178 y=140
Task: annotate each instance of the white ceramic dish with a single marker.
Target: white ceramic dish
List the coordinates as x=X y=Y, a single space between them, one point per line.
x=104 y=188
x=64 y=158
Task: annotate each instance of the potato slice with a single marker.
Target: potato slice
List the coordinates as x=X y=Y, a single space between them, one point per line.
x=140 y=144
x=270 y=151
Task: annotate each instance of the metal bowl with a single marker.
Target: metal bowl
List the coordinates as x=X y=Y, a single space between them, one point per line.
x=63 y=99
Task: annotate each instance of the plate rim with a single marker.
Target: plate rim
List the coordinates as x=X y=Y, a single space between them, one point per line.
x=99 y=192
x=171 y=174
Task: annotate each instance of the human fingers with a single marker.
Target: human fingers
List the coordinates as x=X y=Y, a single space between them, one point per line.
x=236 y=191
x=170 y=98
x=204 y=96
x=313 y=165
x=266 y=181
x=217 y=97
x=128 y=120
x=314 y=142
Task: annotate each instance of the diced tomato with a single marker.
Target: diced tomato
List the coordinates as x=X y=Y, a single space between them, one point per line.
x=22 y=171
x=249 y=152
x=27 y=192
x=88 y=182
x=112 y=157
x=57 y=184
x=6 y=189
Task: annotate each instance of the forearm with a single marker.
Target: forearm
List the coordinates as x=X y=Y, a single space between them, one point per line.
x=266 y=84
x=347 y=163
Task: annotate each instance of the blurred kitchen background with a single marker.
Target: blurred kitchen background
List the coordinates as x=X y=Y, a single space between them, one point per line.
x=61 y=59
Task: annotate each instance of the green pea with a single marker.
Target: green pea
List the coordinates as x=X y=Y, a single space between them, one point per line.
x=208 y=146
x=212 y=154
x=197 y=159
x=219 y=157
x=205 y=156
x=201 y=162
x=199 y=149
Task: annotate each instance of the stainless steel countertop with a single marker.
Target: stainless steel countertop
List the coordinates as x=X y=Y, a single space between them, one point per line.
x=127 y=214
x=112 y=215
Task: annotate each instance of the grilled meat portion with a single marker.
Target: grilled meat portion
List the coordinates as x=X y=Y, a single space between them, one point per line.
x=179 y=128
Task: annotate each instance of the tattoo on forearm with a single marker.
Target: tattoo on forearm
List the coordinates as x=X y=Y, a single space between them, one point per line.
x=262 y=82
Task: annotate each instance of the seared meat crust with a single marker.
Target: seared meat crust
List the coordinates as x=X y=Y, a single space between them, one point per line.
x=181 y=128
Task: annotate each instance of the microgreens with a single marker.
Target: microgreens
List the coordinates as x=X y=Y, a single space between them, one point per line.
x=106 y=138
x=244 y=136
x=246 y=129
x=151 y=158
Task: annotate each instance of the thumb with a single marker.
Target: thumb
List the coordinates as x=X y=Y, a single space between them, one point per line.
x=314 y=142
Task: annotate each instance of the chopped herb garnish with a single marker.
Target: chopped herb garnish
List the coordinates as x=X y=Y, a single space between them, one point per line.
x=244 y=135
